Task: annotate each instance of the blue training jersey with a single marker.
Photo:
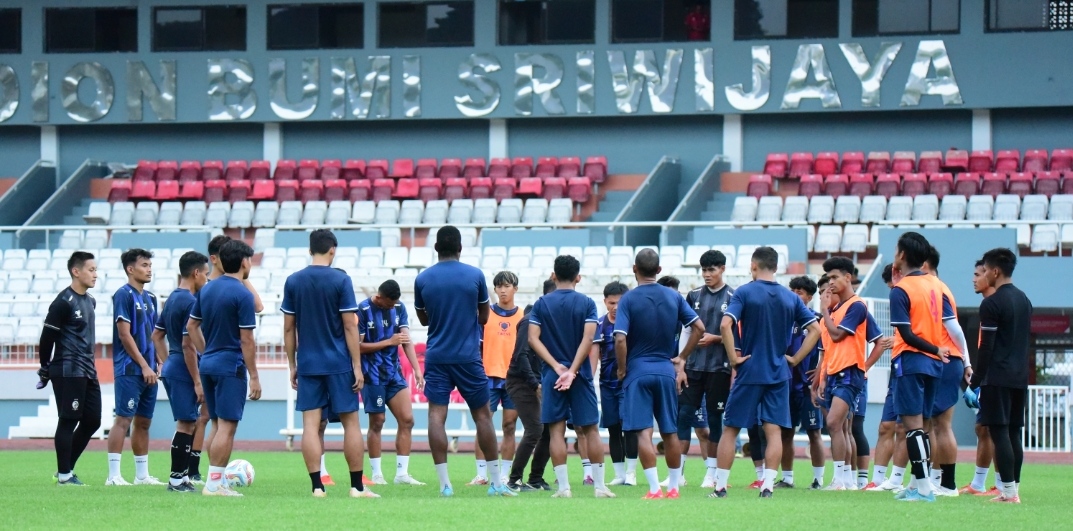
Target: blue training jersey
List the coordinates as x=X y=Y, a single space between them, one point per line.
x=651 y=316
x=449 y=293
x=800 y=381
x=767 y=313
x=377 y=324
x=605 y=341
x=224 y=306
x=562 y=316
x=138 y=309
x=317 y=296
x=172 y=322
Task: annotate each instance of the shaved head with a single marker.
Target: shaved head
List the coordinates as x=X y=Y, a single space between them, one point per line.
x=647 y=263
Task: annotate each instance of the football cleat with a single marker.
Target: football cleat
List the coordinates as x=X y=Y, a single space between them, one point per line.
x=618 y=481
x=783 y=484
x=588 y=481
x=765 y=493
x=355 y=493
x=721 y=493
x=969 y=490
x=540 y=485
x=378 y=479
x=116 y=481
x=756 y=484
x=501 y=491
x=181 y=487
x=604 y=493
x=946 y=493
x=477 y=482
x=816 y=485
x=220 y=490
x=366 y=481
x=672 y=494
x=900 y=495
x=319 y=493
x=447 y=492
x=871 y=485
x=562 y=494
x=709 y=483
x=149 y=480
x=631 y=479
x=407 y=480
x=1002 y=498
x=914 y=495
x=327 y=481
x=72 y=481
x=835 y=486
x=195 y=479
x=658 y=495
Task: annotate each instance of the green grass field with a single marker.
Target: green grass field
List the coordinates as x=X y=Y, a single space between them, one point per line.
x=279 y=499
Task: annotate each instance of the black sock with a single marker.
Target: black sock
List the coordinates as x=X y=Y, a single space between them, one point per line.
x=195 y=461
x=948 y=476
x=180 y=454
x=631 y=444
x=355 y=480
x=83 y=434
x=65 y=430
x=315 y=478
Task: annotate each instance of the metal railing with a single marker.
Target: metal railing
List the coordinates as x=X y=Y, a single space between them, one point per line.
x=1047 y=418
x=53 y=231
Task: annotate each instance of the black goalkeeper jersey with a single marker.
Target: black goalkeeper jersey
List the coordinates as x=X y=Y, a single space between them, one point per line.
x=72 y=316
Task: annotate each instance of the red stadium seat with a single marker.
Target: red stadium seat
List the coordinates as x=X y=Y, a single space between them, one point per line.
x=192 y=191
x=1047 y=182
x=930 y=162
x=940 y=184
x=777 y=165
x=308 y=169
x=142 y=190
x=826 y=163
x=145 y=171
x=547 y=167
x=531 y=187
x=1021 y=184
x=1035 y=161
x=981 y=161
x=521 y=167
x=569 y=167
x=759 y=185
x=286 y=170
x=474 y=168
x=836 y=185
x=260 y=170
x=504 y=188
x=800 y=164
x=119 y=191
x=263 y=190
x=1008 y=161
x=311 y=190
x=554 y=188
x=167 y=170
x=914 y=184
x=212 y=170
x=595 y=169
x=426 y=168
x=335 y=190
x=238 y=190
x=480 y=188
x=407 y=188
x=1067 y=183
x=1062 y=160
x=331 y=170
x=852 y=162
x=888 y=185
x=579 y=189
x=862 y=184
x=878 y=162
x=383 y=189
x=499 y=167
x=401 y=168
x=353 y=169
x=215 y=191
x=236 y=170
x=811 y=185
x=376 y=169
x=189 y=170
x=286 y=190
x=904 y=162
x=456 y=188
x=429 y=188
x=450 y=169
x=167 y=191
x=993 y=184
x=967 y=184
x=957 y=160
x=359 y=190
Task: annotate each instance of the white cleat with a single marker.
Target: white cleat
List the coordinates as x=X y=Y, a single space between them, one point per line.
x=478 y=481
x=617 y=481
x=709 y=483
x=886 y=486
x=407 y=480
x=116 y=481
x=149 y=480
x=319 y=493
x=220 y=490
x=665 y=483
x=604 y=493
x=355 y=493
x=945 y=492
x=378 y=479
x=631 y=479
x=562 y=494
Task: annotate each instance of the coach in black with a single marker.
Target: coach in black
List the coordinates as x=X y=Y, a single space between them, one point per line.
x=1002 y=368
x=66 y=351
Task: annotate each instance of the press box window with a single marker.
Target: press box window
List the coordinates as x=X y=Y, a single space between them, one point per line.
x=1029 y=15
x=10 y=31
x=199 y=29
x=790 y=19
x=660 y=21
x=552 y=22
x=316 y=26
x=905 y=17
x=425 y=24
x=89 y=30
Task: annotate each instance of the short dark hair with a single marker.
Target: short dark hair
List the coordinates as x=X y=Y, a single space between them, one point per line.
x=191 y=261
x=823 y=281
x=915 y=249
x=933 y=258
x=448 y=241
x=803 y=283
x=888 y=273
x=979 y=263
x=390 y=289
x=669 y=281
x=131 y=257
x=232 y=254
x=766 y=258
x=505 y=278
x=321 y=241
x=647 y=262
x=566 y=268
x=1003 y=259
x=713 y=259
x=549 y=286
x=78 y=259
x=615 y=288
x=217 y=243
x=838 y=263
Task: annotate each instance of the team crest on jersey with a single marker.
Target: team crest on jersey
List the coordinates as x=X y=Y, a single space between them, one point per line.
x=74 y=405
x=130 y=404
x=78 y=314
x=719 y=405
x=723 y=308
x=504 y=325
x=379 y=401
x=696 y=305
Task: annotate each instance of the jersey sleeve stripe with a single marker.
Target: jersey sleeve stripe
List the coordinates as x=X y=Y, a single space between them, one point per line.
x=346 y=310
x=876 y=338
x=247 y=327
x=691 y=321
x=121 y=318
x=850 y=332
x=732 y=316
x=810 y=321
x=158 y=327
x=52 y=327
x=899 y=323
x=989 y=328
x=288 y=312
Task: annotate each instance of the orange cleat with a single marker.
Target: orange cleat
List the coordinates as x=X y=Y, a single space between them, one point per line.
x=327 y=480
x=870 y=485
x=658 y=495
x=756 y=484
x=672 y=494
x=1002 y=498
x=365 y=481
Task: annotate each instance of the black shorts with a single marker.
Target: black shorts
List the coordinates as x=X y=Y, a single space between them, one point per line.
x=77 y=397
x=1002 y=406
x=711 y=387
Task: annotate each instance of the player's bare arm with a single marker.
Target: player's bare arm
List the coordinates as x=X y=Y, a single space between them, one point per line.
x=131 y=346
x=249 y=355
x=811 y=337
x=422 y=316
x=190 y=358
x=353 y=345
x=483 y=311
x=290 y=347
x=620 y=355
x=161 y=349
x=696 y=335
x=197 y=339
x=411 y=356
x=258 y=306
x=877 y=352
x=538 y=346
x=726 y=327
x=583 y=351
x=399 y=339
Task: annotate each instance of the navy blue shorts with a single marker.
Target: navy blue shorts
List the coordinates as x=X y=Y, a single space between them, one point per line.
x=690 y=420
x=611 y=406
x=317 y=391
x=648 y=396
x=751 y=404
x=949 y=392
x=134 y=397
x=846 y=385
x=376 y=397
x=497 y=394
x=803 y=413
x=182 y=398
x=914 y=394
x=469 y=378
x=225 y=396
x=577 y=404
x=862 y=402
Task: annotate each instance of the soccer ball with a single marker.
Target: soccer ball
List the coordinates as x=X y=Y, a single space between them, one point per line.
x=239 y=473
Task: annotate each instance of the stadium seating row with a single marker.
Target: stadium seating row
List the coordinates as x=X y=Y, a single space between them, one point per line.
x=797 y=165
x=913 y=184
x=877 y=209
x=857 y=238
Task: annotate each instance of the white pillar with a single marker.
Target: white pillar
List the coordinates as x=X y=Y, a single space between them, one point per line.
x=273 y=143
x=50 y=149
x=981 y=129
x=733 y=141
x=497 y=138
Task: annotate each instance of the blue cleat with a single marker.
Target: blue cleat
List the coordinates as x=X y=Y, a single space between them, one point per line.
x=902 y=494
x=501 y=491
x=916 y=496
x=447 y=492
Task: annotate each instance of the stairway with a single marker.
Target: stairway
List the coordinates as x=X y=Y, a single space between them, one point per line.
x=718 y=209
x=43 y=425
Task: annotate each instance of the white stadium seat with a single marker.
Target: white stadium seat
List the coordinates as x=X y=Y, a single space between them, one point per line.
x=338 y=213
x=411 y=212
x=744 y=209
x=70 y=239
x=855 y=239
x=535 y=211
x=873 y=209
x=953 y=208
x=265 y=214
x=769 y=208
x=314 y=212
x=145 y=213
x=420 y=257
x=436 y=212
x=171 y=213
x=979 y=208
x=510 y=211
x=100 y=212
x=899 y=208
x=1045 y=238
x=194 y=213
x=290 y=213
x=847 y=209
x=363 y=212
x=1061 y=208
x=560 y=210
x=241 y=215
x=1007 y=208
x=925 y=207
x=395 y=257
x=828 y=239
x=484 y=211
x=461 y=212
x=1034 y=208
x=217 y=214
x=95 y=239
x=693 y=252
x=795 y=210
x=263 y=239
x=744 y=255
x=821 y=209
x=122 y=215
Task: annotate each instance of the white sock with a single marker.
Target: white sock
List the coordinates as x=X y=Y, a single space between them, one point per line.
x=493 y=471
x=879 y=474
x=1017 y=488
x=653 y=480
x=839 y=473
x=788 y=476
x=924 y=486
x=936 y=475
x=721 y=476
x=712 y=465
x=113 y=465
x=323 y=467
x=674 y=478
x=631 y=465
x=375 y=463
x=586 y=469
x=760 y=473
x=63 y=477
x=598 y=476
x=482 y=468
x=445 y=479
x=817 y=474
x=402 y=465
x=563 y=476
x=141 y=466
x=620 y=469
x=979 y=481
x=216 y=476
x=506 y=465
x=769 y=479
x=862 y=479
x=897 y=475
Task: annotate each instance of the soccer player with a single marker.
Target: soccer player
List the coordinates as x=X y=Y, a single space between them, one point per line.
x=561 y=329
x=803 y=412
x=451 y=299
x=766 y=313
x=890 y=444
x=134 y=362
x=384 y=325
x=985 y=450
x=918 y=311
x=623 y=446
x=66 y=353
x=650 y=367
x=179 y=372
x=496 y=350
x=1002 y=378
x=956 y=375
x=223 y=320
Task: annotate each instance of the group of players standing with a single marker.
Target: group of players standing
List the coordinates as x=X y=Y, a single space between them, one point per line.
x=755 y=358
